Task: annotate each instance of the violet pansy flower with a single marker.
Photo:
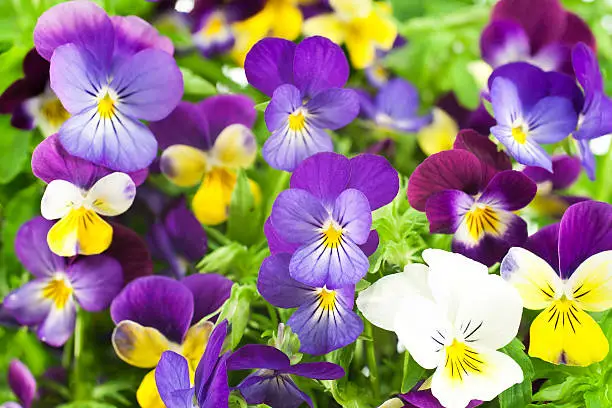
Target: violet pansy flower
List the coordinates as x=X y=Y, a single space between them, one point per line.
x=155 y=314
x=395 y=106
x=327 y=214
x=78 y=194
x=23 y=384
x=49 y=302
x=471 y=192
x=532 y=107
x=305 y=82
x=109 y=73
x=424 y=399
x=210 y=390
x=272 y=384
x=324 y=320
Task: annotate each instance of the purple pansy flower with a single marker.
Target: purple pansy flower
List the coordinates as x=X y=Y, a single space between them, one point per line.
x=108 y=72
x=210 y=389
x=532 y=107
x=540 y=32
x=23 y=384
x=49 y=301
x=324 y=320
x=305 y=82
x=395 y=106
x=272 y=384
x=326 y=216
x=156 y=313
x=424 y=399
x=548 y=199
x=471 y=192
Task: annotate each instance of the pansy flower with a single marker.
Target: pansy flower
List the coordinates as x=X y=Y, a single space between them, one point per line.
x=452 y=317
x=49 y=302
x=364 y=26
x=155 y=314
x=23 y=384
x=532 y=107
x=326 y=216
x=204 y=145
x=324 y=320
x=108 y=72
x=418 y=398
x=173 y=376
x=30 y=101
x=540 y=32
x=566 y=269
x=395 y=106
x=271 y=383
x=549 y=200
x=305 y=82
x=471 y=192
x=78 y=194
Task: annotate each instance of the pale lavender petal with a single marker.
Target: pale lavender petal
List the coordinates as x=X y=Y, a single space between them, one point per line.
x=530 y=82
x=551 y=120
x=22 y=383
x=319 y=64
x=254 y=356
x=171 y=375
x=510 y=190
x=504 y=41
x=221 y=111
x=587 y=158
x=326 y=175
x=352 y=212
x=297 y=215
x=269 y=64
x=332 y=108
x=318 y=370
x=96 y=281
x=27 y=304
x=506 y=102
x=58 y=326
x=33 y=251
x=445 y=210
x=374 y=176
x=277 y=287
x=528 y=153
x=286 y=149
x=285 y=100
x=209 y=291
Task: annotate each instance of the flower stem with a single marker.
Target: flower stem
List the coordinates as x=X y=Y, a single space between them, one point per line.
x=371 y=358
x=77 y=380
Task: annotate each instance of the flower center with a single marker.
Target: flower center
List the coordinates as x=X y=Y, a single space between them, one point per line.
x=461 y=361
x=297 y=121
x=519 y=134
x=332 y=236
x=106 y=106
x=327 y=299
x=482 y=219
x=54 y=112
x=58 y=290
x=214 y=26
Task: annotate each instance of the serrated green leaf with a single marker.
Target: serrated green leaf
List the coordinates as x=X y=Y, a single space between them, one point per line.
x=518 y=395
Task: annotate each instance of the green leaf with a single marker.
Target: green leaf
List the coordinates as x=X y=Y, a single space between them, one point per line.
x=196 y=85
x=237 y=311
x=10 y=65
x=362 y=285
x=222 y=258
x=14 y=146
x=412 y=373
x=262 y=106
x=244 y=222
x=464 y=85
x=518 y=395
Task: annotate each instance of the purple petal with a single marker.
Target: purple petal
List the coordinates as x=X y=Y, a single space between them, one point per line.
x=596 y=121
x=185 y=231
x=322 y=329
x=504 y=41
x=565 y=86
x=445 y=210
x=218 y=390
x=286 y=99
x=333 y=108
x=50 y=161
x=205 y=371
x=22 y=383
x=255 y=356
x=586 y=229
x=82 y=23
x=276 y=244
x=96 y=281
x=371 y=245
x=317 y=371
x=269 y=64
x=325 y=175
x=506 y=102
x=447 y=170
x=367 y=109
x=171 y=375
x=34 y=82
x=551 y=120
x=425 y=399
x=375 y=177
x=545 y=244
x=27 y=304
x=485 y=150
x=131 y=251
x=576 y=31
x=587 y=158
x=352 y=211
x=529 y=153
x=33 y=251
x=209 y=291
x=185 y=125
x=296 y=215
x=566 y=170
x=58 y=326
x=398 y=99
x=553 y=57
x=274 y=390
x=149 y=85
x=277 y=287
x=531 y=82
x=319 y=64
x=158 y=302
x=510 y=190
x=221 y=111
x=133 y=34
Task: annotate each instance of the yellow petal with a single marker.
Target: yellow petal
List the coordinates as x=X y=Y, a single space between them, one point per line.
x=82 y=232
x=196 y=341
x=183 y=165
x=248 y=32
x=550 y=205
x=565 y=334
x=360 y=48
x=235 y=147
x=211 y=201
x=287 y=21
x=591 y=283
x=351 y=9
x=147 y=394
x=439 y=135
x=138 y=345
x=380 y=28
x=328 y=25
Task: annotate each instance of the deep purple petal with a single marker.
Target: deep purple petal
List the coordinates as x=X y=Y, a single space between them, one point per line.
x=586 y=229
x=269 y=64
x=58 y=326
x=296 y=215
x=276 y=244
x=445 y=210
x=36 y=77
x=277 y=287
x=133 y=34
x=221 y=111
x=22 y=383
x=596 y=121
x=352 y=211
x=319 y=64
x=447 y=170
x=172 y=374
x=531 y=82
x=333 y=108
x=158 y=302
x=131 y=251
x=371 y=245
x=33 y=251
x=96 y=281
x=375 y=177
x=209 y=291
x=563 y=85
x=210 y=359
x=218 y=390
x=185 y=231
x=317 y=371
x=510 y=190
x=255 y=356
x=566 y=170
x=545 y=244
x=27 y=304
x=485 y=150
x=82 y=23
x=184 y=125
x=425 y=399
x=324 y=175
x=577 y=30
x=504 y=41
x=278 y=391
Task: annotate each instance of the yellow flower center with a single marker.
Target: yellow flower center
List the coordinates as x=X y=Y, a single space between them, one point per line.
x=332 y=236
x=519 y=134
x=327 y=299
x=297 y=121
x=54 y=112
x=461 y=361
x=58 y=290
x=213 y=27
x=482 y=219
x=106 y=106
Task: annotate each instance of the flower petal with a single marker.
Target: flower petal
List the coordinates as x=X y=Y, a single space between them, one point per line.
x=185 y=125
x=504 y=41
x=510 y=190
x=524 y=84
x=551 y=120
x=375 y=177
x=528 y=153
x=185 y=231
x=32 y=250
x=130 y=250
x=591 y=284
x=276 y=244
x=318 y=370
x=545 y=244
x=58 y=326
x=147 y=394
x=112 y=195
x=273 y=390
x=196 y=340
x=269 y=64
x=255 y=356
x=96 y=281
x=222 y=111
x=80 y=232
x=211 y=202
x=332 y=108
x=28 y=305
x=277 y=287
x=171 y=375
x=184 y=165
x=138 y=345
x=352 y=212
x=446 y=210
x=325 y=175
x=286 y=99
x=22 y=382
x=59 y=199
x=206 y=367
x=506 y=102
x=297 y=215
x=217 y=391
x=235 y=147
x=209 y=291
x=133 y=34
x=492 y=160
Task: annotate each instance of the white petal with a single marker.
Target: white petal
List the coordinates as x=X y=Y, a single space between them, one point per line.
x=112 y=194
x=378 y=303
x=591 y=284
x=59 y=198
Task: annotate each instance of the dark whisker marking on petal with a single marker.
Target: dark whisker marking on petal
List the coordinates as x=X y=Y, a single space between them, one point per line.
x=466 y=327
x=437 y=341
x=474 y=331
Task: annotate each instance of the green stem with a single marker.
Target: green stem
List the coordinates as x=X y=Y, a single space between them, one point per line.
x=371 y=358
x=77 y=380
x=273 y=317
x=605 y=185
x=67 y=353
x=467 y=16
x=217 y=235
